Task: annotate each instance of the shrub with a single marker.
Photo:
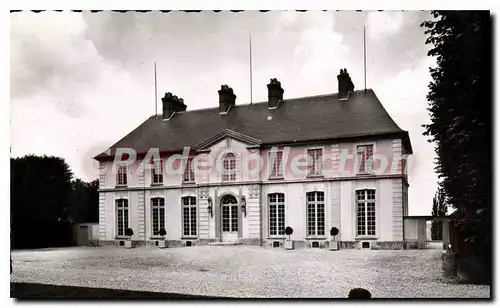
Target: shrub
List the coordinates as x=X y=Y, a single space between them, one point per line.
x=162 y=232
x=334 y=232
x=129 y=232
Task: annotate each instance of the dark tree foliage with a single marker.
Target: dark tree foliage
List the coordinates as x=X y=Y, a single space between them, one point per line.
x=40 y=191
x=45 y=201
x=40 y=187
x=460 y=111
x=439 y=208
x=84 y=202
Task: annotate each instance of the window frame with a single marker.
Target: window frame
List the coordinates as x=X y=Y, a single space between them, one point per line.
x=228 y=175
x=366 y=211
x=314 y=166
x=316 y=214
x=123 y=174
x=358 y=161
x=280 y=169
x=276 y=223
x=121 y=208
x=154 y=174
x=190 y=178
x=190 y=206
x=161 y=218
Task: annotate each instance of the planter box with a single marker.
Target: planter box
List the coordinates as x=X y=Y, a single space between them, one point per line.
x=333 y=245
x=288 y=245
x=162 y=244
x=128 y=244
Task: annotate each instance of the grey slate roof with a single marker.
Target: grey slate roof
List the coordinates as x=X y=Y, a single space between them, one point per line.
x=306 y=119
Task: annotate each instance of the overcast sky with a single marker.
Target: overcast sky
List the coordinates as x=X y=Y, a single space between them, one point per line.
x=82 y=81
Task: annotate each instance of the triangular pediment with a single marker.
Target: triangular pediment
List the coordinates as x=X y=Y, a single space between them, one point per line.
x=227 y=133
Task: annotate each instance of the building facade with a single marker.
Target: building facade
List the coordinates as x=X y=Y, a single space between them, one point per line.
x=243 y=173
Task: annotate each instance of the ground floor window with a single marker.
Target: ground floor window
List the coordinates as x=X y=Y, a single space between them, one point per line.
x=229 y=206
x=276 y=214
x=365 y=203
x=157 y=215
x=189 y=216
x=315 y=213
x=121 y=216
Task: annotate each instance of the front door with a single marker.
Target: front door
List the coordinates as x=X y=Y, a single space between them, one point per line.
x=229 y=212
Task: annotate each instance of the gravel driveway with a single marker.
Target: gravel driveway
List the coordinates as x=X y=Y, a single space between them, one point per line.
x=244 y=271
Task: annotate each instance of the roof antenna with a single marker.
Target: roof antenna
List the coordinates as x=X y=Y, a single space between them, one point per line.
x=364 y=52
x=251 y=98
x=156 y=95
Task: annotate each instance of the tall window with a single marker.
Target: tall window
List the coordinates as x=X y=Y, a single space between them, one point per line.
x=365 y=203
x=276 y=214
x=229 y=167
x=316 y=213
x=276 y=162
x=189 y=216
x=316 y=159
x=365 y=152
x=121 y=216
x=157 y=172
x=188 y=172
x=158 y=214
x=121 y=176
x=229 y=207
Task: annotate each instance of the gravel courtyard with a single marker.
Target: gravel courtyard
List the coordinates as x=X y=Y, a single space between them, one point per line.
x=243 y=271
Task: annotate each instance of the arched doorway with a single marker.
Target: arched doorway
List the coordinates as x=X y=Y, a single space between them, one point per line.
x=229 y=219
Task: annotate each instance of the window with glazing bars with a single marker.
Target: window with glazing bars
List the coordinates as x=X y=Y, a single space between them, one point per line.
x=121 y=216
x=189 y=216
x=316 y=161
x=276 y=214
x=315 y=213
x=121 y=176
x=364 y=153
x=158 y=215
x=229 y=167
x=365 y=203
x=188 y=172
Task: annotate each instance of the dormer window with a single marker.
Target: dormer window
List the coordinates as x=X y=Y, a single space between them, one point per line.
x=229 y=167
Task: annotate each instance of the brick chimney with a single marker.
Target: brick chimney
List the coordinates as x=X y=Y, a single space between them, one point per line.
x=345 y=84
x=172 y=104
x=227 y=99
x=274 y=93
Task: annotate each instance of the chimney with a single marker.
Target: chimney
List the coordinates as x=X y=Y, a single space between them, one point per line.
x=345 y=84
x=274 y=93
x=227 y=99
x=172 y=104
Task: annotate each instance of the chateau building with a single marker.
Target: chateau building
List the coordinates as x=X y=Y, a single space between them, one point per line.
x=243 y=173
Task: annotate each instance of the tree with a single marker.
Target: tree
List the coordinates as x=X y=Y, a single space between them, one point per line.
x=84 y=202
x=460 y=112
x=40 y=187
x=40 y=191
x=439 y=208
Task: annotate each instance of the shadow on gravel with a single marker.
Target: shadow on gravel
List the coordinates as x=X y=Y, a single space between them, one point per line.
x=30 y=291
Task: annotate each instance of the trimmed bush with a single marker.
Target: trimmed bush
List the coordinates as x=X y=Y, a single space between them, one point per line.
x=129 y=232
x=288 y=231
x=334 y=232
x=162 y=232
